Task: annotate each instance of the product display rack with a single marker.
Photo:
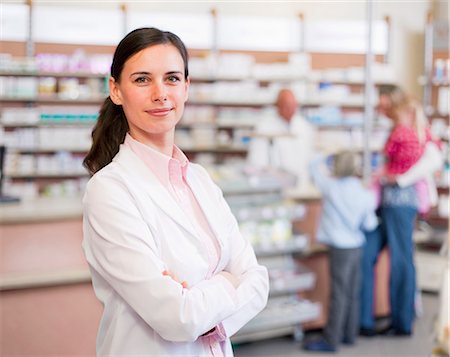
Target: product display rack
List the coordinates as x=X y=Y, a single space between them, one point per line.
x=436 y=79
x=221 y=137
x=432 y=237
x=265 y=218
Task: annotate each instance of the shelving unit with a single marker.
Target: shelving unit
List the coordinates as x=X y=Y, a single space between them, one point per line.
x=436 y=95
x=216 y=128
x=430 y=254
x=266 y=220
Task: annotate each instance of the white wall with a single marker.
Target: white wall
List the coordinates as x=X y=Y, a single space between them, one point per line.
x=407 y=18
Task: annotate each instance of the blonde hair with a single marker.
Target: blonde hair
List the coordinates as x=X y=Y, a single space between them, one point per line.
x=345 y=164
x=395 y=94
x=412 y=107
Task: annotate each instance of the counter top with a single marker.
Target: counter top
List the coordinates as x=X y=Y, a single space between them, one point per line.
x=44 y=279
x=308 y=194
x=46 y=209
x=41 y=210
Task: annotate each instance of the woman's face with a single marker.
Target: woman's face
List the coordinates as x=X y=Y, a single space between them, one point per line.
x=384 y=104
x=152 y=91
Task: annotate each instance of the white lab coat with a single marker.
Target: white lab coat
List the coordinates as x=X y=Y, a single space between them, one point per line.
x=133 y=231
x=291 y=151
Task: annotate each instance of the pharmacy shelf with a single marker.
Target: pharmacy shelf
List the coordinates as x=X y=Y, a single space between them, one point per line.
x=195 y=78
x=288 y=78
x=256 y=103
x=265 y=334
x=53 y=100
x=53 y=74
x=350 y=82
x=48 y=150
x=295 y=245
x=77 y=123
x=282 y=316
x=438 y=221
x=46 y=175
x=211 y=79
x=216 y=124
x=290 y=281
x=264 y=205
x=344 y=103
x=246 y=188
x=436 y=114
x=433 y=81
x=423 y=80
x=214 y=149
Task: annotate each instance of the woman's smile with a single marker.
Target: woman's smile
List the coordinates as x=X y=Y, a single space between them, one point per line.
x=160 y=112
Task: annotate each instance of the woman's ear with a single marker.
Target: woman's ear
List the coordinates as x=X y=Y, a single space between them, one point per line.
x=114 y=91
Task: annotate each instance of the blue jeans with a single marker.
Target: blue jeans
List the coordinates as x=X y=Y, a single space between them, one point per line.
x=398 y=214
x=375 y=242
x=398 y=226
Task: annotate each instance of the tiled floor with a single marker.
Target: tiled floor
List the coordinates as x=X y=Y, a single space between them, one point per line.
x=420 y=344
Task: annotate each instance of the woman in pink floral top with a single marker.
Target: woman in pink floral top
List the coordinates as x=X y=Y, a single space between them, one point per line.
x=399 y=207
x=407 y=141
x=412 y=157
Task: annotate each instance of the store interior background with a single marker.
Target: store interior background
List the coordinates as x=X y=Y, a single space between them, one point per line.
x=47 y=305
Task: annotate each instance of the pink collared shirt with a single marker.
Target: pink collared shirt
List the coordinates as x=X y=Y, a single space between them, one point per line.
x=171 y=173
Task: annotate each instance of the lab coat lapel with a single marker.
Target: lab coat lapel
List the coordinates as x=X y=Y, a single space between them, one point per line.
x=140 y=173
x=208 y=206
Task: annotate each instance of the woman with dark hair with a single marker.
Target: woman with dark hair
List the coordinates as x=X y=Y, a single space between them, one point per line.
x=168 y=263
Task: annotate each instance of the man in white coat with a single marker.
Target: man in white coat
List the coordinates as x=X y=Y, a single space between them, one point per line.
x=284 y=142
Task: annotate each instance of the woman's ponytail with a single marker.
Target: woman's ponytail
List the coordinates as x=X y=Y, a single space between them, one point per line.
x=108 y=133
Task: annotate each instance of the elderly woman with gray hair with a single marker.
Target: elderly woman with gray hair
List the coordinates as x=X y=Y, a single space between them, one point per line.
x=348 y=209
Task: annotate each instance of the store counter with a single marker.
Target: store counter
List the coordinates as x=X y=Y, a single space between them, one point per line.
x=45 y=284
x=41 y=243
x=309 y=194
x=40 y=210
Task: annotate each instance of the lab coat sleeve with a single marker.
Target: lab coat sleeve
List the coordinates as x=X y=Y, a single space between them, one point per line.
x=253 y=290
x=121 y=247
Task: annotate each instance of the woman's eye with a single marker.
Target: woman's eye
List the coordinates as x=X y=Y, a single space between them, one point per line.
x=173 y=79
x=140 y=80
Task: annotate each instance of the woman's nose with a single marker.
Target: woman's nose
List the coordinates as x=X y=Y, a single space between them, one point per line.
x=159 y=93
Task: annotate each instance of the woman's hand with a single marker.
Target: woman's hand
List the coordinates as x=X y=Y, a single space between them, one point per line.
x=391 y=178
x=231 y=278
x=183 y=283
